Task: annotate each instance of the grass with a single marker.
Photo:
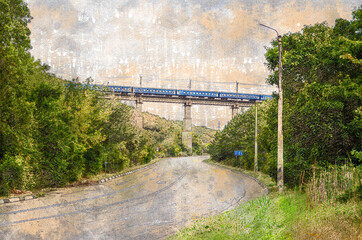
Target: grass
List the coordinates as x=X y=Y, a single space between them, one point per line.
x=330 y=221
x=280 y=216
x=262 y=218
x=317 y=212
x=337 y=183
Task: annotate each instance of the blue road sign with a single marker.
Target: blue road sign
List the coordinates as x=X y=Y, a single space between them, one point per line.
x=238 y=153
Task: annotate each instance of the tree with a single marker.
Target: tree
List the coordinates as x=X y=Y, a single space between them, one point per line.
x=53 y=132
x=322 y=86
x=16 y=112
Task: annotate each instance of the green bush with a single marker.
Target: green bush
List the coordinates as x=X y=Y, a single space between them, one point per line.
x=11 y=175
x=93 y=160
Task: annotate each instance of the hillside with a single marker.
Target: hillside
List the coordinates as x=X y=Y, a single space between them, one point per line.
x=167 y=134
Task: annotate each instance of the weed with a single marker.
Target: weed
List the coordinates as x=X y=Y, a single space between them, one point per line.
x=329 y=208
x=340 y=183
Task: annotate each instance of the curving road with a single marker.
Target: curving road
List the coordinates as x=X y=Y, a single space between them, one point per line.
x=151 y=203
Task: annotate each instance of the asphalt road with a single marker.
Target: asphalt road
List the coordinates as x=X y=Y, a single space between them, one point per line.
x=151 y=203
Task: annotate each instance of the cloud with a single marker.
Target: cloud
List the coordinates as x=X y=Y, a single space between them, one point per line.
x=52 y=15
x=172 y=16
x=207 y=41
x=177 y=38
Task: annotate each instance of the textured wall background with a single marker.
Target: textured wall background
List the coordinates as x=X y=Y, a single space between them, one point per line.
x=214 y=43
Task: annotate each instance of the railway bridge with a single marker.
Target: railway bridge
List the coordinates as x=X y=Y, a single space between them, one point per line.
x=187 y=98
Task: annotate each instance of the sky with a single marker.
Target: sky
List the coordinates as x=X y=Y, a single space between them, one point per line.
x=212 y=42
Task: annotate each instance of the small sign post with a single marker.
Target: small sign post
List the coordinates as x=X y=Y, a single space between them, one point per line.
x=238 y=153
x=105 y=166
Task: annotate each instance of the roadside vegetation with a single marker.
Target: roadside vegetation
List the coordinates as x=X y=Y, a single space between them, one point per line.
x=327 y=207
x=322 y=119
x=322 y=125
x=54 y=132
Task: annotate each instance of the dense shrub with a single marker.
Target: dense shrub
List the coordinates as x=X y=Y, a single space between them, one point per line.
x=11 y=174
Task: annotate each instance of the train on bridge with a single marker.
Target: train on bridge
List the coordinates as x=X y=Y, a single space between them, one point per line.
x=176 y=92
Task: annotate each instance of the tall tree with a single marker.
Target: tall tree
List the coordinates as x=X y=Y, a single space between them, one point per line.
x=16 y=118
x=322 y=84
x=322 y=87
x=15 y=65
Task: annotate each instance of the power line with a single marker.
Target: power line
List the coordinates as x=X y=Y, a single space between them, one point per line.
x=153 y=78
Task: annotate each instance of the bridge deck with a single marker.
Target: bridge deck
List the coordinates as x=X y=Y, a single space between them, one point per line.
x=181 y=99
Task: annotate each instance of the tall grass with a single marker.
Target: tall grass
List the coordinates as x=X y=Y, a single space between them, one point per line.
x=340 y=183
x=327 y=207
x=333 y=199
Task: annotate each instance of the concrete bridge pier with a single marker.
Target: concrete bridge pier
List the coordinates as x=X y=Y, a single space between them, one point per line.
x=235 y=110
x=187 y=134
x=139 y=117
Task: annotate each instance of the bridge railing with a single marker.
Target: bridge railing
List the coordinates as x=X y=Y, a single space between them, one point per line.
x=188 y=84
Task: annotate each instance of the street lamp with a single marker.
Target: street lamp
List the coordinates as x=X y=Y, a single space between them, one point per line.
x=280 y=178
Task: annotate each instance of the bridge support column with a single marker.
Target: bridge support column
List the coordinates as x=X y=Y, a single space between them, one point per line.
x=235 y=110
x=187 y=134
x=139 y=117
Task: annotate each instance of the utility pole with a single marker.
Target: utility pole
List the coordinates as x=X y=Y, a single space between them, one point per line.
x=280 y=170
x=256 y=138
x=237 y=86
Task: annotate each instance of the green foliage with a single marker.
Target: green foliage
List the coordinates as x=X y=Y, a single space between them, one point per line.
x=357 y=155
x=342 y=183
x=263 y=218
x=322 y=115
x=164 y=136
x=94 y=161
x=15 y=65
x=66 y=119
x=11 y=175
x=174 y=150
x=331 y=206
x=197 y=144
x=286 y=216
x=53 y=132
x=149 y=155
x=16 y=112
x=239 y=134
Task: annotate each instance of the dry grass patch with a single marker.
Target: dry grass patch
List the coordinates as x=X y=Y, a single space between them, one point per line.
x=330 y=221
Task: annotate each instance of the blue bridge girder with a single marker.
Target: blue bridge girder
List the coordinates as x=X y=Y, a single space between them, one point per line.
x=185 y=97
x=180 y=96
